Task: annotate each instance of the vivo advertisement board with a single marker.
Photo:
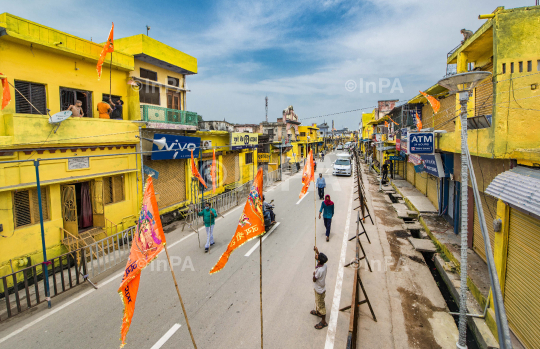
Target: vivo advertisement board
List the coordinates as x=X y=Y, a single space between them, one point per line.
x=176 y=147
x=420 y=143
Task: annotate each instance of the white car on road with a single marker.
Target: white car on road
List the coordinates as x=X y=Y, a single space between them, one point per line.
x=342 y=166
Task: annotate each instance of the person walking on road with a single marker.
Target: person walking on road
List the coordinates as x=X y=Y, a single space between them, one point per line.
x=391 y=169
x=321 y=184
x=327 y=211
x=319 y=284
x=209 y=219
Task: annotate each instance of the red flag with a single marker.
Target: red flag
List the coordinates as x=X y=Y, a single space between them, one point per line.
x=108 y=47
x=435 y=104
x=213 y=172
x=148 y=242
x=308 y=174
x=418 y=123
x=251 y=223
x=195 y=172
x=6 y=95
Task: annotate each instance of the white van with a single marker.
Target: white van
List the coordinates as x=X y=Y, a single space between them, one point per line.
x=342 y=165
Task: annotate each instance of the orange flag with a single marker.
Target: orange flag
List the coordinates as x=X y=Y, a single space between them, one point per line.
x=195 y=172
x=418 y=123
x=251 y=223
x=213 y=172
x=435 y=104
x=108 y=47
x=386 y=124
x=6 y=95
x=148 y=241
x=308 y=175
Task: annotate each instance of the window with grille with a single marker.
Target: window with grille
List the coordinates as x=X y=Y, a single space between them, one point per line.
x=249 y=158
x=149 y=94
x=148 y=74
x=113 y=189
x=26 y=207
x=33 y=93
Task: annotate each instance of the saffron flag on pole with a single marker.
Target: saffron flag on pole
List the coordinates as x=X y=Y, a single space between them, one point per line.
x=418 y=123
x=108 y=47
x=195 y=172
x=6 y=95
x=148 y=242
x=435 y=104
x=251 y=223
x=213 y=172
x=308 y=174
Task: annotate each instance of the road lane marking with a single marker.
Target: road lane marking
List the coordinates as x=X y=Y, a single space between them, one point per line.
x=327 y=170
x=302 y=198
x=166 y=337
x=332 y=324
x=264 y=238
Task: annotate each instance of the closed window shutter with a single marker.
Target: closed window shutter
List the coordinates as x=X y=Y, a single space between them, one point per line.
x=35 y=93
x=21 y=205
x=118 y=188
x=35 y=205
x=107 y=190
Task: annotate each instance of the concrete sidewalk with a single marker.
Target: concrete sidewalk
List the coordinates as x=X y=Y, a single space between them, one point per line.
x=410 y=310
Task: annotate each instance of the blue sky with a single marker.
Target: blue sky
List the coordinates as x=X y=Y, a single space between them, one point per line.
x=300 y=53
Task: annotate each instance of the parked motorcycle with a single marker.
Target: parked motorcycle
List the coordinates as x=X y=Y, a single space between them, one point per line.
x=268 y=212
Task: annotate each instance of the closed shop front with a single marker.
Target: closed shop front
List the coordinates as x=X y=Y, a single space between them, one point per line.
x=410 y=172
x=522 y=283
x=420 y=182
x=170 y=187
x=489 y=204
x=231 y=171
x=432 y=190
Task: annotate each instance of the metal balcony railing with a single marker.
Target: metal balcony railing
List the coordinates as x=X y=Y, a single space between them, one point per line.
x=152 y=113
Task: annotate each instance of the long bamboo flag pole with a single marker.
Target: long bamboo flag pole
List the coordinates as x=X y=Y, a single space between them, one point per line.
x=260 y=287
x=180 y=297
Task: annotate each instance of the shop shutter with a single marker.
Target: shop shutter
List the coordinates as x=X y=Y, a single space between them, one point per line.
x=522 y=283
x=432 y=190
x=170 y=186
x=420 y=181
x=483 y=94
x=229 y=164
x=489 y=204
x=410 y=173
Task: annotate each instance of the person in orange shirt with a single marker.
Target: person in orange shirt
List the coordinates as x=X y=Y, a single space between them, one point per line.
x=104 y=109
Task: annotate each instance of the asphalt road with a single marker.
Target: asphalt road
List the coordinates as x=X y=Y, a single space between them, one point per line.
x=223 y=308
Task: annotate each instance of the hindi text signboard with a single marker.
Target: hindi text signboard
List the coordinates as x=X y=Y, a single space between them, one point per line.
x=244 y=140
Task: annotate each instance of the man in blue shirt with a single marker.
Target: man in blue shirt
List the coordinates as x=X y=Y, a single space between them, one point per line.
x=320 y=184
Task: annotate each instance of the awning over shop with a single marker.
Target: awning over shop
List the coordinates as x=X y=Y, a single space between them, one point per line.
x=518 y=187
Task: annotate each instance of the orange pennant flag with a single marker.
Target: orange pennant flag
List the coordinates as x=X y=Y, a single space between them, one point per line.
x=6 y=95
x=148 y=242
x=308 y=175
x=195 y=172
x=418 y=123
x=213 y=172
x=393 y=121
x=108 y=47
x=251 y=223
x=435 y=104
x=386 y=124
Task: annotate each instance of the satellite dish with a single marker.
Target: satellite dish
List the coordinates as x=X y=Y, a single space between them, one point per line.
x=59 y=117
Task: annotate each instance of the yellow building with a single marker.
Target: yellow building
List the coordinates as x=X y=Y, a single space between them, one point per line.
x=308 y=139
x=508 y=46
x=88 y=172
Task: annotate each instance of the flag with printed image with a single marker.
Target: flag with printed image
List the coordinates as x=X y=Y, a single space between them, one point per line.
x=148 y=241
x=435 y=104
x=308 y=175
x=194 y=172
x=6 y=95
x=108 y=47
x=251 y=223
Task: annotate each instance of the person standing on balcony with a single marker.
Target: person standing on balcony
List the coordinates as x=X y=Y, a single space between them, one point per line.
x=321 y=184
x=76 y=110
x=104 y=109
x=118 y=109
x=209 y=219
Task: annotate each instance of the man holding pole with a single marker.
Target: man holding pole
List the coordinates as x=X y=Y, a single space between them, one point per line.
x=319 y=284
x=209 y=218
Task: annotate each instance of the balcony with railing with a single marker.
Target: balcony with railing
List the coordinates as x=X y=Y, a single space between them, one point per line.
x=159 y=117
